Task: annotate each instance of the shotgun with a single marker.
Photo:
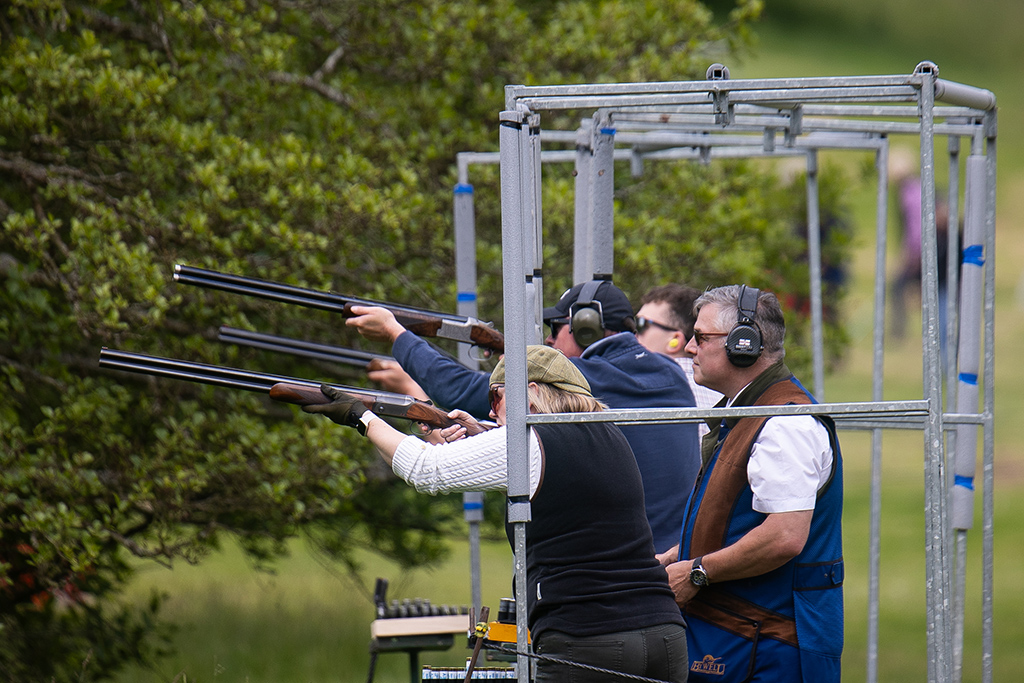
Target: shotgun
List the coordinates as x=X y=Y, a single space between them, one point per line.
x=287 y=389
x=422 y=322
x=299 y=347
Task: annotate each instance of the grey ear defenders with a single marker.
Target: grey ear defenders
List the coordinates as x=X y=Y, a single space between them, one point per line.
x=586 y=319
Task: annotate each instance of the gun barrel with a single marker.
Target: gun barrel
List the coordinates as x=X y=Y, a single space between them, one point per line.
x=216 y=375
x=420 y=321
x=381 y=402
x=297 y=347
x=291 y=294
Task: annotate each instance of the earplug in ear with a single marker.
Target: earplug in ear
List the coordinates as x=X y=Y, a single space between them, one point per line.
x=673 y=344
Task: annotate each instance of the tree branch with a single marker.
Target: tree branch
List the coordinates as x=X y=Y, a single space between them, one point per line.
x=98 y=19
x=313 y=84
x=329 y=64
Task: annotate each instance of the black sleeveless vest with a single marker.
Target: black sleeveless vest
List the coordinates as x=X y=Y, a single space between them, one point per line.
x=590 y=560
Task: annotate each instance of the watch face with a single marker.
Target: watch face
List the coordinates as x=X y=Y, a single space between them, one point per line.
x=699 y=577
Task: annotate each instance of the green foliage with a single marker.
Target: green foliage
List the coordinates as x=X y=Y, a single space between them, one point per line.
x=309 y=142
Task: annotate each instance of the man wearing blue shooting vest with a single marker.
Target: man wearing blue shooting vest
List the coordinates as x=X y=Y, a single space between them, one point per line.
x=758 y=572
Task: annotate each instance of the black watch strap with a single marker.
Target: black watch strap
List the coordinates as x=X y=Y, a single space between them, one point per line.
x=359 y=422
x=698 y=575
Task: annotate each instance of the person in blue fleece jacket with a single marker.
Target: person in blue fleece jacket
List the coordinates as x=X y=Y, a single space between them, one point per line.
x=621 y=373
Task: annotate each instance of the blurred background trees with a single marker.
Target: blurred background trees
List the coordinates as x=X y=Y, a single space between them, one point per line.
x=304 y=141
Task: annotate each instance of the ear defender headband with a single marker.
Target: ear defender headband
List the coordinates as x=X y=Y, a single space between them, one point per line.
x=586 y=319
x=743 y=345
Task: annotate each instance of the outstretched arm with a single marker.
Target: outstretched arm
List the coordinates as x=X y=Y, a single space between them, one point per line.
x=450 y=383
x=444 y=379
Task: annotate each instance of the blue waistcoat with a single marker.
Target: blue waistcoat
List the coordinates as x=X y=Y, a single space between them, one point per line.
x=787 y=624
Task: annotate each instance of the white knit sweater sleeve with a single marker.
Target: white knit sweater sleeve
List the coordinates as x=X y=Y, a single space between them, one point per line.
x=477 y=463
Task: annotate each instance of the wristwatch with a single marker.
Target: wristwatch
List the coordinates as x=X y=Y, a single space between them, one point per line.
x=699 y=577
x=364 y=421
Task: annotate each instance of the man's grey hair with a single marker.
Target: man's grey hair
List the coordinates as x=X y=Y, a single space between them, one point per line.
x=768 y=318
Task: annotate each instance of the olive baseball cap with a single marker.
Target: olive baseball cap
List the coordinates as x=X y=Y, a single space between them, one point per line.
x=549 y=366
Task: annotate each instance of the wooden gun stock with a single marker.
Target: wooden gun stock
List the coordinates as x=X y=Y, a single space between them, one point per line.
x=487 y=337
x=406 y=407
x=296 y=394
x=420 y=324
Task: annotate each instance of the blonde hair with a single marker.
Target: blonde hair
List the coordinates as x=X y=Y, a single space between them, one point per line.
x=545 y=398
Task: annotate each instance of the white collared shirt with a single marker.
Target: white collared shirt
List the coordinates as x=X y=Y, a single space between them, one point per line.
x=790 y=461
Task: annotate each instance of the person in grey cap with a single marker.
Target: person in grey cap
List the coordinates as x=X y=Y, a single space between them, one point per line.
x=593 y=325
x=597 y=595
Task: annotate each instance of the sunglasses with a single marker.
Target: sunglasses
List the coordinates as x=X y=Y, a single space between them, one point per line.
x=643 y=323
x=701 y=337
x=557 y=324
x=496 y=394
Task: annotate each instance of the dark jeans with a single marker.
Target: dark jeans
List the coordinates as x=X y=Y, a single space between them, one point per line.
x=658 y=652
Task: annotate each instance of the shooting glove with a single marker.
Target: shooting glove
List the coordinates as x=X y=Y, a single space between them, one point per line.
x=344 y=409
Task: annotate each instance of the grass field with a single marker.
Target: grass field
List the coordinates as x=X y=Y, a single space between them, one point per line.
x=308 y=623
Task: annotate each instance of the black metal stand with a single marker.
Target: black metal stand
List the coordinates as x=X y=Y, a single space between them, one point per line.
x=412 y=645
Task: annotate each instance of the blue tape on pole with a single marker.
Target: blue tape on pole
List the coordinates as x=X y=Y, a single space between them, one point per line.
x=974 y=255
x=969 y=378
x=966 y=482
x=463 y=188
x=607 y=131
x=466 y=297
x=473 y=506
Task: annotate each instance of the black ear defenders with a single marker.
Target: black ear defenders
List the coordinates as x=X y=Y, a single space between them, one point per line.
x=586 y=319
x=743 y=345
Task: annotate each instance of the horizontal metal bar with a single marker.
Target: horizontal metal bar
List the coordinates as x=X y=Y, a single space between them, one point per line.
x=964 y=95
x=723 y=153
x=885 y=127
x=887 y=111
x=599 y=101
x=878 y=409
x=522 y=92
x=780 y=98
x=797 y=96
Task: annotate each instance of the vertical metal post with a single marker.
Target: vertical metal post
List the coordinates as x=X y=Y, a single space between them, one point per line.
x=877 y=392
x=516 y=326
x=583 y=252
x=603 y=202
x=473 y=513
x=529 y=142
x=936 y=569
x=969 y=352
x=465 y=283
x=988 y=505
x=814 y=260
x=465 y=262
x=950 y=364
x=537 y=227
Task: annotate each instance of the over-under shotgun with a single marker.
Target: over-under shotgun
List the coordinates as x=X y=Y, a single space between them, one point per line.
x=422 y=322
x=287 y=389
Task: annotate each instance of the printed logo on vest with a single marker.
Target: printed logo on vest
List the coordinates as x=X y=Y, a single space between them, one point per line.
x=708 y=665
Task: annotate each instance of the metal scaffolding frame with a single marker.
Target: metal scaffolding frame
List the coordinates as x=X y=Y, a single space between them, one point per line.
x=789 y=116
